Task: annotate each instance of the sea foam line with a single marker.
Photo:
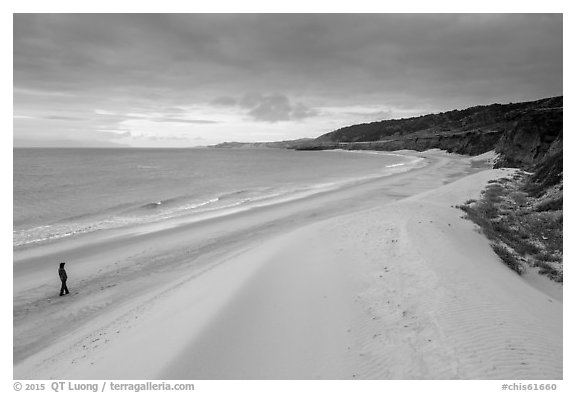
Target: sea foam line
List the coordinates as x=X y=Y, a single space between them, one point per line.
x=202 y=210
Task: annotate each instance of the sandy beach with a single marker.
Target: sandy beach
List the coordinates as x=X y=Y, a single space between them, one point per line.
x=379 y=280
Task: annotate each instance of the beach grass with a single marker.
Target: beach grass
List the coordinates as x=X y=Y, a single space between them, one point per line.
x=525 y=229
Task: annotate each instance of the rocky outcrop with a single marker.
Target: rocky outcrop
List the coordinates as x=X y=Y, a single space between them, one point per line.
x=548 y=173
x=524 y=134
x=535 y=138
x=471 y=143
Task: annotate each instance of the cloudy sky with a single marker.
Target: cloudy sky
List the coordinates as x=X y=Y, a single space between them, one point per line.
x=186 y=80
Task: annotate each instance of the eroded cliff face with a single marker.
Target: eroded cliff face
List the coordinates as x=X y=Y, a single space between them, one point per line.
x=524 y=134
x=535 y=138
x=471 y=143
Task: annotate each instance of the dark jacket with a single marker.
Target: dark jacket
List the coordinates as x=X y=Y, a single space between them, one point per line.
x=62 y=273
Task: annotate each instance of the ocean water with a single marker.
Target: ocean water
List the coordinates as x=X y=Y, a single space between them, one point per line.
x=65 y=192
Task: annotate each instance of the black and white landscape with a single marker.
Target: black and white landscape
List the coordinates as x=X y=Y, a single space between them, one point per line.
x=326 y=196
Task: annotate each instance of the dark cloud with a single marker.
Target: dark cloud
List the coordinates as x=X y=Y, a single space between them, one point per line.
x=418 y=56
x=429 y=62
x=268 y=108
x=274 y=107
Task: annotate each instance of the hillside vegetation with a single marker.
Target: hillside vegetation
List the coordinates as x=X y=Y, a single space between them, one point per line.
x=523 y=222
x=524 y=134
x=522 y=216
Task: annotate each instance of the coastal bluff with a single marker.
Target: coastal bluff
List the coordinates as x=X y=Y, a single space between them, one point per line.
x=524 y=134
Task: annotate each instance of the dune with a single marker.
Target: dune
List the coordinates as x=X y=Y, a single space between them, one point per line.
x=380 y=280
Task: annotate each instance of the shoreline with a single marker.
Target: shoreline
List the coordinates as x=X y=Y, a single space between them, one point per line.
x=183 y=216
x=58 y=246
x=238 y=297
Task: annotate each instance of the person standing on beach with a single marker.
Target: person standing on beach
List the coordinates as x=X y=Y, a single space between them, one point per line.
x=63 y=277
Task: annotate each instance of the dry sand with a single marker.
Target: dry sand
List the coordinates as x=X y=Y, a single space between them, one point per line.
x=382 y=280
